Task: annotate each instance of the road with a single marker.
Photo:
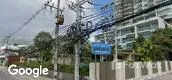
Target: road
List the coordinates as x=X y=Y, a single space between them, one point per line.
x=164 y=77
x=4 y=75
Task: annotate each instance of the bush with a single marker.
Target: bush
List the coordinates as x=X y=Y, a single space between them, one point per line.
x=84 y=70
x=49 y=65
x=66 y=68
x=35 y=64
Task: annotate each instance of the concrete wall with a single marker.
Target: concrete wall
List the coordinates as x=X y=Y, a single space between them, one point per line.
x=129 y=71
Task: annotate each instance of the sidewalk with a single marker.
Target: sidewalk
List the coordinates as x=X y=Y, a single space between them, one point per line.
x=163 y=77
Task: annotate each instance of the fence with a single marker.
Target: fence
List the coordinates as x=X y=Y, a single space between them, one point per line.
x=128 y=71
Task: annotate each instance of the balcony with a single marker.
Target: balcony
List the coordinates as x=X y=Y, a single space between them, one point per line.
x=160 y=1
x=145 y=34
x=128 y=39
x=127 y=31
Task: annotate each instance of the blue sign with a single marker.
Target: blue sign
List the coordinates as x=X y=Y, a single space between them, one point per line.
x=99 y=48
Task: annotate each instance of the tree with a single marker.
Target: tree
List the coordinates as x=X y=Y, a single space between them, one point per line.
x=138 y=42
x=43 y=42
x=28 y=50
x=149 y=51
x=66 y=49
x=163 y=39
x=86 y=54
x=23 y=51
x=65 y=45
x=157 y=47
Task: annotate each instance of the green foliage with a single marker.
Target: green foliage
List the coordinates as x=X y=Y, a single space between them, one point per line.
x=86 y=53
x=43 y=40
x=84 y=70
x=67 y=68
x=49 y=65
x=150 y=51
x=43 y=43
x=31 y=49
x=32 y=64
x=35 y=64
x=138 y=42
x=23 y=51
x=157 y=47
x=65 y=47
x=113 y=48
x=163 y=37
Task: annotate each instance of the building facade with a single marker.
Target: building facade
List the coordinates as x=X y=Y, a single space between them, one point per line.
x=10 y=51
x=142 y=25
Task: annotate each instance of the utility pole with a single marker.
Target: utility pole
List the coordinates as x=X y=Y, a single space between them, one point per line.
x=60 y=21
x=106 y=42
x=116 y=46
x=56 y=43
x=78 y=44
x=78 y=9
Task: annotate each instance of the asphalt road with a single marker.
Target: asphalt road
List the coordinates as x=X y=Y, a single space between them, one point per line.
x=4 y=75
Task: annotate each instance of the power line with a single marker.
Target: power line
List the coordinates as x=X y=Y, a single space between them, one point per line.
x=27 y=22
x=61 y=28
x=97 y=14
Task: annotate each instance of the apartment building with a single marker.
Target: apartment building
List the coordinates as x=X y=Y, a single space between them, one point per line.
x=142 y=25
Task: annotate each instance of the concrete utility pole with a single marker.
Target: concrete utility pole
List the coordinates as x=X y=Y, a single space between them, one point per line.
x=106 y=42
x=78 y=44
x=56 y=42
x=77 y=8
x=116 y=46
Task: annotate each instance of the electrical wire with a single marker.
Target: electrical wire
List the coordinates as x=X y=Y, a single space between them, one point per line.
x=87 y=18
x=99 y=13
x=25 y=23
x=62 y=28
x=96 y=14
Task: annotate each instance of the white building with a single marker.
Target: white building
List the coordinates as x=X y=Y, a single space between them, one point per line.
x=142 y=25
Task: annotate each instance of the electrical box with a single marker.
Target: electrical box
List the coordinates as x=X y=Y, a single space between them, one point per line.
x=60 y=20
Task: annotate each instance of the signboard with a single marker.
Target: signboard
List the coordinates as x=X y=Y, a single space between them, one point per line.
x=99 y=48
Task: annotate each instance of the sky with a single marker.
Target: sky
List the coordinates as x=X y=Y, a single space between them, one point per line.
x=15 y=12
x=102 y=2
